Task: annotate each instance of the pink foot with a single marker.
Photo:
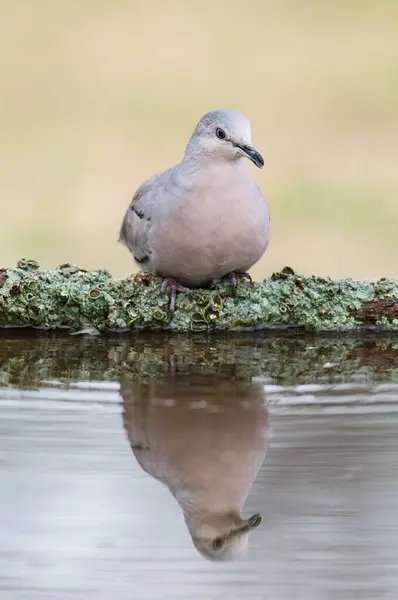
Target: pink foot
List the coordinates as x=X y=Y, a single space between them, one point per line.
x=233 y=276
x=174 y=287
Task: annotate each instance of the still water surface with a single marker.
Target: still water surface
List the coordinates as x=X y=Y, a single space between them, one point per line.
x=129 y=467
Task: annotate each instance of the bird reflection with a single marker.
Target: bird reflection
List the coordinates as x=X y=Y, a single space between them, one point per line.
x=206 y=441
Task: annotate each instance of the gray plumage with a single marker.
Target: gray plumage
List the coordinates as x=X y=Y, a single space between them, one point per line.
x=205 y=217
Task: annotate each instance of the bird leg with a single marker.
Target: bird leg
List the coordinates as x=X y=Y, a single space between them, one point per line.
x=174 y=287
x=233 y=276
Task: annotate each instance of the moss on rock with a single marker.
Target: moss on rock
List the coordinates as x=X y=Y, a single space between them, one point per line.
x=72 y=298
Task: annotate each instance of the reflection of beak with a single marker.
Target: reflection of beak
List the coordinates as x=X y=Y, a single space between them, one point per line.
x=247 y=525
x=252 y=154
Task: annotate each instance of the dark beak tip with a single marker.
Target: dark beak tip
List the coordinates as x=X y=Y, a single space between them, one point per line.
x=255 y=521
x=259 y=160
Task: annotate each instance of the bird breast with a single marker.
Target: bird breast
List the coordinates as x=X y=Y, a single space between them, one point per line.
x=208 y=232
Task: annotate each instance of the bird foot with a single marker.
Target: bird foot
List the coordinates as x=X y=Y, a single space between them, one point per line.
x=233 y=276
x=174 y=287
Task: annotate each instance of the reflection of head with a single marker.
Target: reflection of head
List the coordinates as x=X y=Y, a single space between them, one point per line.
x=223 y=537
x=206 y=442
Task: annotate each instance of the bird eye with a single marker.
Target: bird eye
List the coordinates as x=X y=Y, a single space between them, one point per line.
x=218 y=543
x=220 y=133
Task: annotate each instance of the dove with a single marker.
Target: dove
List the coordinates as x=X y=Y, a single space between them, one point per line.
x=206 y=441
x=205 y=218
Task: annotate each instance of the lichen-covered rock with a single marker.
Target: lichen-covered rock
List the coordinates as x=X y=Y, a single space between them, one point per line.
x=91 y=301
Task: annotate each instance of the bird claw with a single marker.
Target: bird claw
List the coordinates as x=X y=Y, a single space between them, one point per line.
x=244 y=275
x=174 y=287
x=233 y=276
x=215 y=282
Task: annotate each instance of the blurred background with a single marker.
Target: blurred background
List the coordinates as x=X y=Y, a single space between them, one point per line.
x=96 y=96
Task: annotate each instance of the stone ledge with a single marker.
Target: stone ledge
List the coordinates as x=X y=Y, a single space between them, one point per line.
x=93 y=302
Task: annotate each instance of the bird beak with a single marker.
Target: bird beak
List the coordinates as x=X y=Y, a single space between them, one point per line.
x=252 y=154
x=248 y=525
x=254 y=521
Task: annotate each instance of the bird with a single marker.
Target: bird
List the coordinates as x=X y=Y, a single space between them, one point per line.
x=205 y=218
x=206 y=441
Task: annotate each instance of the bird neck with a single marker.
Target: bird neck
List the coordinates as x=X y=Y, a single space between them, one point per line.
x=194 y=166
x=222 y=520
x=198 y=504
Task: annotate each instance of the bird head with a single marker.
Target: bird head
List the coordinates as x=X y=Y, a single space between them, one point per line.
x=223 y=537
x=224 y=134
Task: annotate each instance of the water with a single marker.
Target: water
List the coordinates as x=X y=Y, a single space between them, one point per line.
x=123 y=459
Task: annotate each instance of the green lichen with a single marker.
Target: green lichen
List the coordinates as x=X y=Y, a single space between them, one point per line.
x=72 y=298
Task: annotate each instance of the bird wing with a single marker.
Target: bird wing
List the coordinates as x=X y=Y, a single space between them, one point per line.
x=136 y=227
